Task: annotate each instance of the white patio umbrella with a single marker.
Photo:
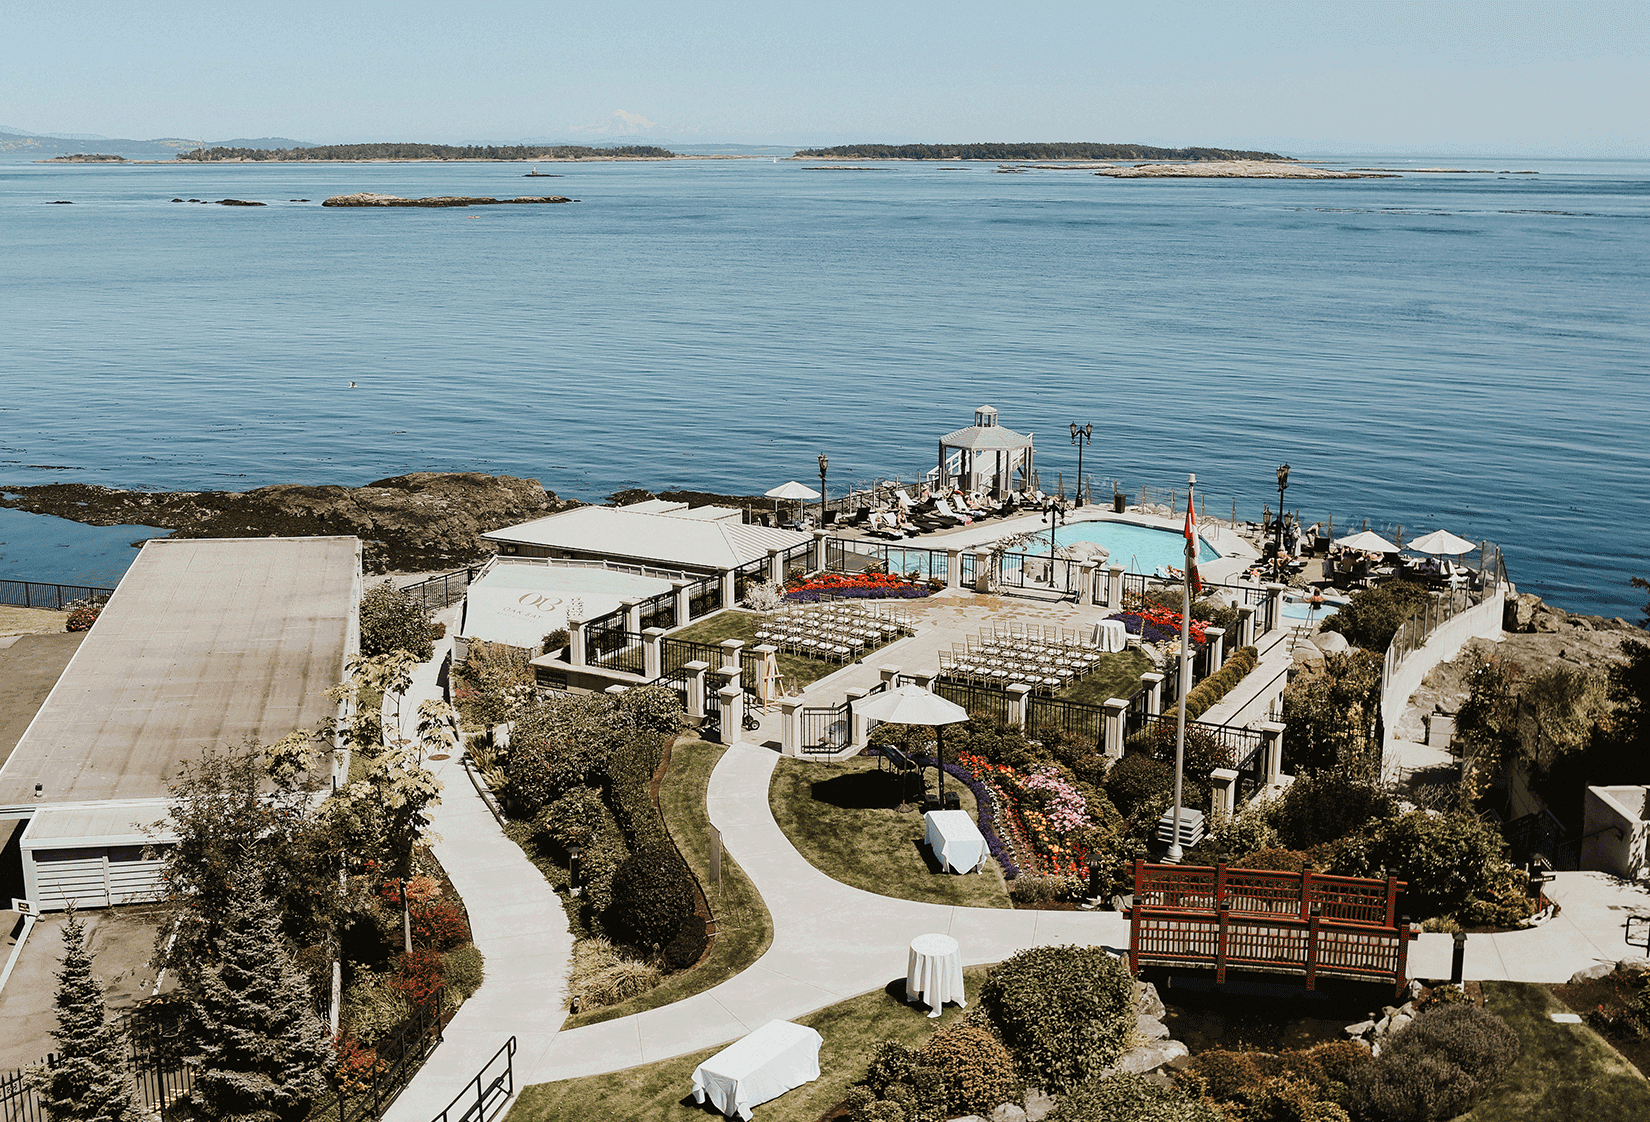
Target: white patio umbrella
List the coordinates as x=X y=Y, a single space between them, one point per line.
x=910 y=704
x=1368 y=541
x=1442 y=542
x=791 y=490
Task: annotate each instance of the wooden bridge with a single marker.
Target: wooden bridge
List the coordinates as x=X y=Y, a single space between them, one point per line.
x=1268 y=922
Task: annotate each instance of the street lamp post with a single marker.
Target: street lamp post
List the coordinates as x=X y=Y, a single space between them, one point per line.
x=823 y=464
x=1081 y=437
x=1277 y=558
x=1055 y=515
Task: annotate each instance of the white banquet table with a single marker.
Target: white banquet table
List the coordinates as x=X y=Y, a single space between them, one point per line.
x=1111 y=636
x=933 y=972
x=954 y=840
x=764 y=1065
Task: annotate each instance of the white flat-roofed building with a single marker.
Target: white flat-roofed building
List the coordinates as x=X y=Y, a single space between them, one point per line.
x=693 y=541
x=204 y=643
x=519 y=602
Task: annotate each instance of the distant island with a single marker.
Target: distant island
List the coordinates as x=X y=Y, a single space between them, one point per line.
x=87 y=158
x=369 y=198
x=426 y=152
x=1073 y=151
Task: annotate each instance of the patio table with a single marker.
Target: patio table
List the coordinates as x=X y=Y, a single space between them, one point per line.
x=1111 y=636
x=954 y=839
x=764 y=1065
x=933 y=973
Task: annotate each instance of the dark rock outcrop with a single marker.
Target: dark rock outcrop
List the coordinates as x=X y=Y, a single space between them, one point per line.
x=421 y=521
x=367 y=198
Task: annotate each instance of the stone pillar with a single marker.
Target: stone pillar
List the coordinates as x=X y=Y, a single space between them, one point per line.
x=730 y=655
x=1274 y=604
x=575 y=642
x=890 y=675
x=696 y=671
x=653 y=653
x=776 y=567
x=1246 y=625
x=982 y=571
x=925 y=680
x=1112 y=742
x=790 y=726
x=683 y=607
x=816 y=562
x=1222 y=788
x=1017 y=707
x=953 y=568
x=856 y=723
x=1088 y=591
x=1114 y=587
x=1273 y=750
x=632 y=614
x=1217 y=647
x=729 y=599
x=733 y=713
x=1153 y=681
x=615 y=689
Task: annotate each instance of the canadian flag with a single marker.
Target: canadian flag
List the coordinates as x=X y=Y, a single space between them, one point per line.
x=1192 y=549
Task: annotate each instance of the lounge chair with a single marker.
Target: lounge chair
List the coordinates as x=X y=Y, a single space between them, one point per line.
x=943 y=510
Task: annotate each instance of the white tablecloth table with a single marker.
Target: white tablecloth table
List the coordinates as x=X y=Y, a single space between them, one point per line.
x=1110 y=635
x=954 y=840
x=933 y=972
x=764 y=1065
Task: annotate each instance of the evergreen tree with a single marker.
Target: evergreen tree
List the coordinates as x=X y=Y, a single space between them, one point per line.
x=264 y=1053
x=89 y=1082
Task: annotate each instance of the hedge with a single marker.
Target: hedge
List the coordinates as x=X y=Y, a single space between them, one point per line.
x=1206 y=693
x=1065 y=1012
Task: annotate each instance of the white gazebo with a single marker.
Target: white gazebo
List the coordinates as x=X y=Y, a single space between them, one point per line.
x=985 y=457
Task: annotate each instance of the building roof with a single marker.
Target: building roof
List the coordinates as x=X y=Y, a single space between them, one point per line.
x=519 y=602
x=986 y=438
x=204 y=642
x=661 y=539
x=115 y=823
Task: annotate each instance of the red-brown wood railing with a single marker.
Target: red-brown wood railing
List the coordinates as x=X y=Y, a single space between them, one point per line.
x=1257 y=919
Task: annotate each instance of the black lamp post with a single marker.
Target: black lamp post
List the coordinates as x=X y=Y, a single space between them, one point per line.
x=823 y=464
x=1081 y=437
x=1055 y=515
x=1283 y=485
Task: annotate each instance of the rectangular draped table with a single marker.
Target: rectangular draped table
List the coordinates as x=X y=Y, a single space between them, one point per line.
x=954 y=840
x=764 y=1065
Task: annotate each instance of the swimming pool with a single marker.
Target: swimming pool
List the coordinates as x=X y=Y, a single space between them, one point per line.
x=1139 y=549
x=1297 y=608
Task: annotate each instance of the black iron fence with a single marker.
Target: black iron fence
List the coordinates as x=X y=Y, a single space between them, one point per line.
x=747 y=575
x=1251 y=769
x=853 y=555
x=443 y=590
x=1053 y=714
x=825 y=728
x=659 y=611
x=1243 y=745
x=704 y=597
x=980 y=701
x=616 y=649
x=1031 y=570
x=50 y=597
x=677 y=653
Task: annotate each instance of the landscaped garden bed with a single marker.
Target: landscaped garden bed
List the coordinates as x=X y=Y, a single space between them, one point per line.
x=857 y=586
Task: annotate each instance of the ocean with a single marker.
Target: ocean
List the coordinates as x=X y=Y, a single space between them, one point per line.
x=1465 y=351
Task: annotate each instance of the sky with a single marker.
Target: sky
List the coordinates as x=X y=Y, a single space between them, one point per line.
x=1533 y=79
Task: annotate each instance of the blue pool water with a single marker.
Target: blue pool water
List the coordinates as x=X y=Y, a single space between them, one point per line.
x=1139 y=549
x=1300 y=609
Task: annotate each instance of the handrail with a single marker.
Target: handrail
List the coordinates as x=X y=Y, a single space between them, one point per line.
x=505 y=1080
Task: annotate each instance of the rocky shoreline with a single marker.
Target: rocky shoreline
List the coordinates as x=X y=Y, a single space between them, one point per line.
x=368 y=198
x=420 y=521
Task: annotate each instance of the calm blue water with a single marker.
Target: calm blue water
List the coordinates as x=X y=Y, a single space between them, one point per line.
x=1139 y=549
x=1458 y=351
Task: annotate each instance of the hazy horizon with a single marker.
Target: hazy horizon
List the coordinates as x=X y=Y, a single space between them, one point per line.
x=1531 y=80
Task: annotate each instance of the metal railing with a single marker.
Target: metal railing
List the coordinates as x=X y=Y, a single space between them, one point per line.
x=1032 y=570
x=659 y=611
x=677 y=653
x=825 y=728
x=48 y=597
x=852 y=555
x=704 y=597
x=1053 y=713
x=980 y=701
x=616 y=649
x=485 y=1094
x=443 y=590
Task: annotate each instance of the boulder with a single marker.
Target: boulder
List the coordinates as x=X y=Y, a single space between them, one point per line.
x=1637 y=966
x=1592 y=973
x=1362 y=1028
x=1150 y=1028
x=1397 y=1023
x=1148 y=1057
x=1147 y=1003
x=1009 y=1112
x=1039 y=1104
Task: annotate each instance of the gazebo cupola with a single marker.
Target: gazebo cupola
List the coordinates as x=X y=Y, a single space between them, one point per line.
x=985 y=457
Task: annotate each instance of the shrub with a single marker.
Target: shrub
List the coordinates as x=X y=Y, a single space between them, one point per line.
x=417 y=975
x=81 y=619
x=1329 y=714
x=554 y=641
x=1445 y=858
x=602 y=856
x=891 y=1062
x=652 y=895
x=570 y=820
x=975 y=1071
x=1280 y=860
x=373 y=1008
x=438 y=925
x=1225 y=1077
x=1479 y=1043
x=1371 y=617
x=1325 y=806
x=356 y=1066
x=1131 y=1098
x=1434 y=1067
x=1065 y=1012
x=1030 y=891
x=1140 y=787
x=462 y=968
x=392 y=620
x=601 y=976
x=493 y=684
x=688 y=944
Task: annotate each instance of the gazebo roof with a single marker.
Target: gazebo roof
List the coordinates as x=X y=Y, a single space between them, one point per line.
x=986 y=438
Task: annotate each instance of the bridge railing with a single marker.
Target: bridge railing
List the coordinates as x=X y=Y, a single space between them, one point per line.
x=1266 y=892
x=1274 y=944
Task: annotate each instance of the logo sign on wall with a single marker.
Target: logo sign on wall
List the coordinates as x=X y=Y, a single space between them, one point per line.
x=539 y=600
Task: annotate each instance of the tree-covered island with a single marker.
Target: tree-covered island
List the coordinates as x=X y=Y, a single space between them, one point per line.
x=1051 y=151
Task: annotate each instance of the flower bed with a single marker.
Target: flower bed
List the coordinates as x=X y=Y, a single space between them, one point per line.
x=866 y=586
x=1034 y=814
x=1155 y=625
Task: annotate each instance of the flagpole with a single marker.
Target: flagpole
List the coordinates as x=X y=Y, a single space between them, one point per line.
x=1175 y=852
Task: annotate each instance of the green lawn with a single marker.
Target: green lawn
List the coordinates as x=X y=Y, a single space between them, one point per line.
x=798 y=671
x=744 y=928
x=841 y=817
x=1115 y=675
x=1563 y=1072
x=661 y=1092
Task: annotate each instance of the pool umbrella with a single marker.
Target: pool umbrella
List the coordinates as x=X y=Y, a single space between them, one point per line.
x=1369 y=542
x=791 y=490
x=1442 y=542
x=910 y=704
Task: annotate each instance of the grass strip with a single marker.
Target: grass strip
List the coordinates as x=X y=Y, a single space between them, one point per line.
x=797 y=670
x=1563 y=1072
x=841 y=817
x=661 y=1092
x=1115 y=675
x=744 y=929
